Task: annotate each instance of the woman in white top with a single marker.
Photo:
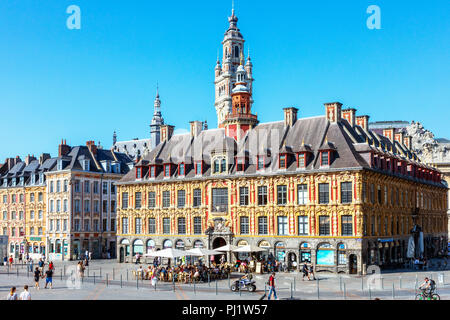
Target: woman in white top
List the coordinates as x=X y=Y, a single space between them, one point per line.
x=12 y=295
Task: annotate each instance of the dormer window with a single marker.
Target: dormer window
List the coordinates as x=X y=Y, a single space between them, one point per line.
x=21 y=181
x=282 y=161
x=5 y=182
x=198 y=168
x=85 y=164
x=14 y=182
x=240 y=165
x=167 y=170
x=138 y=172
x=260 y=163
x=301 y=160
x=33 y=178
x=60 y=165
x=220 y=165
x=181 y=169
x=152 y=172
x=325 y=158
x=41 y=178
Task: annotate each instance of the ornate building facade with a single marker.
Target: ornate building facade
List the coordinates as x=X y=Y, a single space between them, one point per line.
x=325 y=190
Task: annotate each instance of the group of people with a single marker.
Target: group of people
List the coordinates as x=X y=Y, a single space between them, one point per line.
x=184 y=272
x=40 y=274
x=24 y=295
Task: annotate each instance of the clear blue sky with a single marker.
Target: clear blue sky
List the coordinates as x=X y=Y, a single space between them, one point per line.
x=84 y=84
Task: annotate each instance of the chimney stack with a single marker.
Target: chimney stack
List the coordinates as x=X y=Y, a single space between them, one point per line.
x=43 y=157
x=333 y=111
x=92 y=147
x=389 y=133
x=11 y=162
x=166 y=132
x=363 y=122
x=399 y=137
x=196 y=128
x=28 y=159
x=290 y=116
x=350 y=116
x=63 y=149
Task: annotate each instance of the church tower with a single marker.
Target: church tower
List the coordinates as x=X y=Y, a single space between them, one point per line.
x=157 y=121
x=225 y=74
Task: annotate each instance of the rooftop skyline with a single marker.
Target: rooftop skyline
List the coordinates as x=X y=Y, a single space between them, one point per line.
x=85 y=84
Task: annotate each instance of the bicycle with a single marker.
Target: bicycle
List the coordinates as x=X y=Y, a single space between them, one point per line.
x=425 y=296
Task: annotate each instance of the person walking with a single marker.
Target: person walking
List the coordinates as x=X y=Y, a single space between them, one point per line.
x=37 y=276
x=305 y=272
x=12 y=295
x=272 y=290
x=30 y=264
x=11 y=260
x=49 y=278
x=51 y=266
x=41 y=265
x=25 y=295
x=20 y=258
x=311 y=271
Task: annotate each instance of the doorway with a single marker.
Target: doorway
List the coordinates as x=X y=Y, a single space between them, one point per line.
x=217 y=243
x=353 y=264
x=122 y=255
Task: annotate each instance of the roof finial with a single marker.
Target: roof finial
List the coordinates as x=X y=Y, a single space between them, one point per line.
x=157 y=89
x=232 y=7
x=303 y=141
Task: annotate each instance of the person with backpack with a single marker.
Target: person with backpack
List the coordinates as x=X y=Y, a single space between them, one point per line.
x=305 y=272
x=37 y=276
x=271 y=284
x=428 y=286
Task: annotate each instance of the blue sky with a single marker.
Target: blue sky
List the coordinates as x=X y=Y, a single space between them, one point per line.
x=83 y=84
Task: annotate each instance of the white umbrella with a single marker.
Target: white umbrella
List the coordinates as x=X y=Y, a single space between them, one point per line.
x=249 y=248
x=199 y=252
x=228 y=247
x=167 y=253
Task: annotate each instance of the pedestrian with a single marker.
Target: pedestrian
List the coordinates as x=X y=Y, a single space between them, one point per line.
x=5 y=261
x=41 y=264
x=305 y=272
x=25 y=295
x=86 y=254
x=37 y=276
x=20 y=258
x=51 y=266
x=86 y=262
x=80 y=269
x=90 y=255
x=311 y=271
x=12 y=295
x=48 y=279
x=271 y=284
x=11 y=260
x=30 y=264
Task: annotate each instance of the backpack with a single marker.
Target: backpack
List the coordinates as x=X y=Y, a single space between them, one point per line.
x=432 y=284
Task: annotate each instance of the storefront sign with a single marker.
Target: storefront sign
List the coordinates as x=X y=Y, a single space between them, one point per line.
x=35 y=239
x=386 y=240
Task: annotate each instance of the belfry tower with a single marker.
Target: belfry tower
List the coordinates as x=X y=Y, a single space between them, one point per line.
x=157 y=121
x=225 y=73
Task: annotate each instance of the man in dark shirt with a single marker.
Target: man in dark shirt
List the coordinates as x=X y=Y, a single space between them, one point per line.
x=48 y=279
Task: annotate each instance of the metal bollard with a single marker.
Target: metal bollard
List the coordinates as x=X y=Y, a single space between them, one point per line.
x=362 y=283
x=94 y=278
x=370 y=294
x=64 y=268
x=229 y=280
x=240 y=291
x=194 y=288
x=173 y=282
x=265 y=289
x=100 y=272
x=382 y=283
x=393 y=293
x=340 y=283
x=209 y=280
x=318 y=292
x=294 y=286
x=400 y=282
x=121 y=280
x=137 y=282
x=415 y=287
x=344 y=293
x=106 y=279
x=88 y=271
x=216 y=288
x=17 y=272
x=61 y=274
x=127 y=275
x=113 y=274
x=292 y=295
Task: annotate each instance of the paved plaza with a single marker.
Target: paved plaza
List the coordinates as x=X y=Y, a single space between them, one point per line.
x=107 y=279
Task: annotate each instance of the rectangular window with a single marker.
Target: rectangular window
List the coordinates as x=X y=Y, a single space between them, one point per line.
x=197 y=198
x=76 y=225
x=65 y=205
x=77 y=206
x=198 y=168
x=31 y=215
x=281 y=195
x=40 y=214
x=302 y=194
x=364 y=192
x=262 y=195
x=105 y=206
x=181 y=225
x=301 y=160
x=166 y=199
x=167 y=170
x=87 y=186
x=365 y=226
x=124 y=200
x=181 y=198
x=113 y=188
x=58 y=186
x=138 y=200
x=86 y=225
x=303 y=226
x=151 y=225
x=105 y=225
x=58 y=205
x=262 y=225
x=244 y=225
x=152 y=171
x=324 y=159
x=181 y=169
x=324 y=225
x=51 y=188
x=138 y=225
x=151 y=199
x=324 y=193
x=282 y=161
x=105 y=188
x=197 y=225
x=240 y=164
x=282 y=225
x=166 y=225
x=346 y=192
x=95 y=187
x=113 y=224
x=342 y=258
x=243 y=196
x=87 y=206
x=347 y=225
x=260 y=163
x=219 y=199
x=124 y=225
x=96 y=206
x=96 y=225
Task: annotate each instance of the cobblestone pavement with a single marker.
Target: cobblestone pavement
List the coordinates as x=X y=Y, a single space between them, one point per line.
x=107 y=279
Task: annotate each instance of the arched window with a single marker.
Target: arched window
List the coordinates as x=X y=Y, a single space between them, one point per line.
x=236 y=51
x=138 y=247
x=150 y=245
x=167 y=244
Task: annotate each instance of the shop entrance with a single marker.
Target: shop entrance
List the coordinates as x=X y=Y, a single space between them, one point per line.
x=353 y=264
x=217 y=243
